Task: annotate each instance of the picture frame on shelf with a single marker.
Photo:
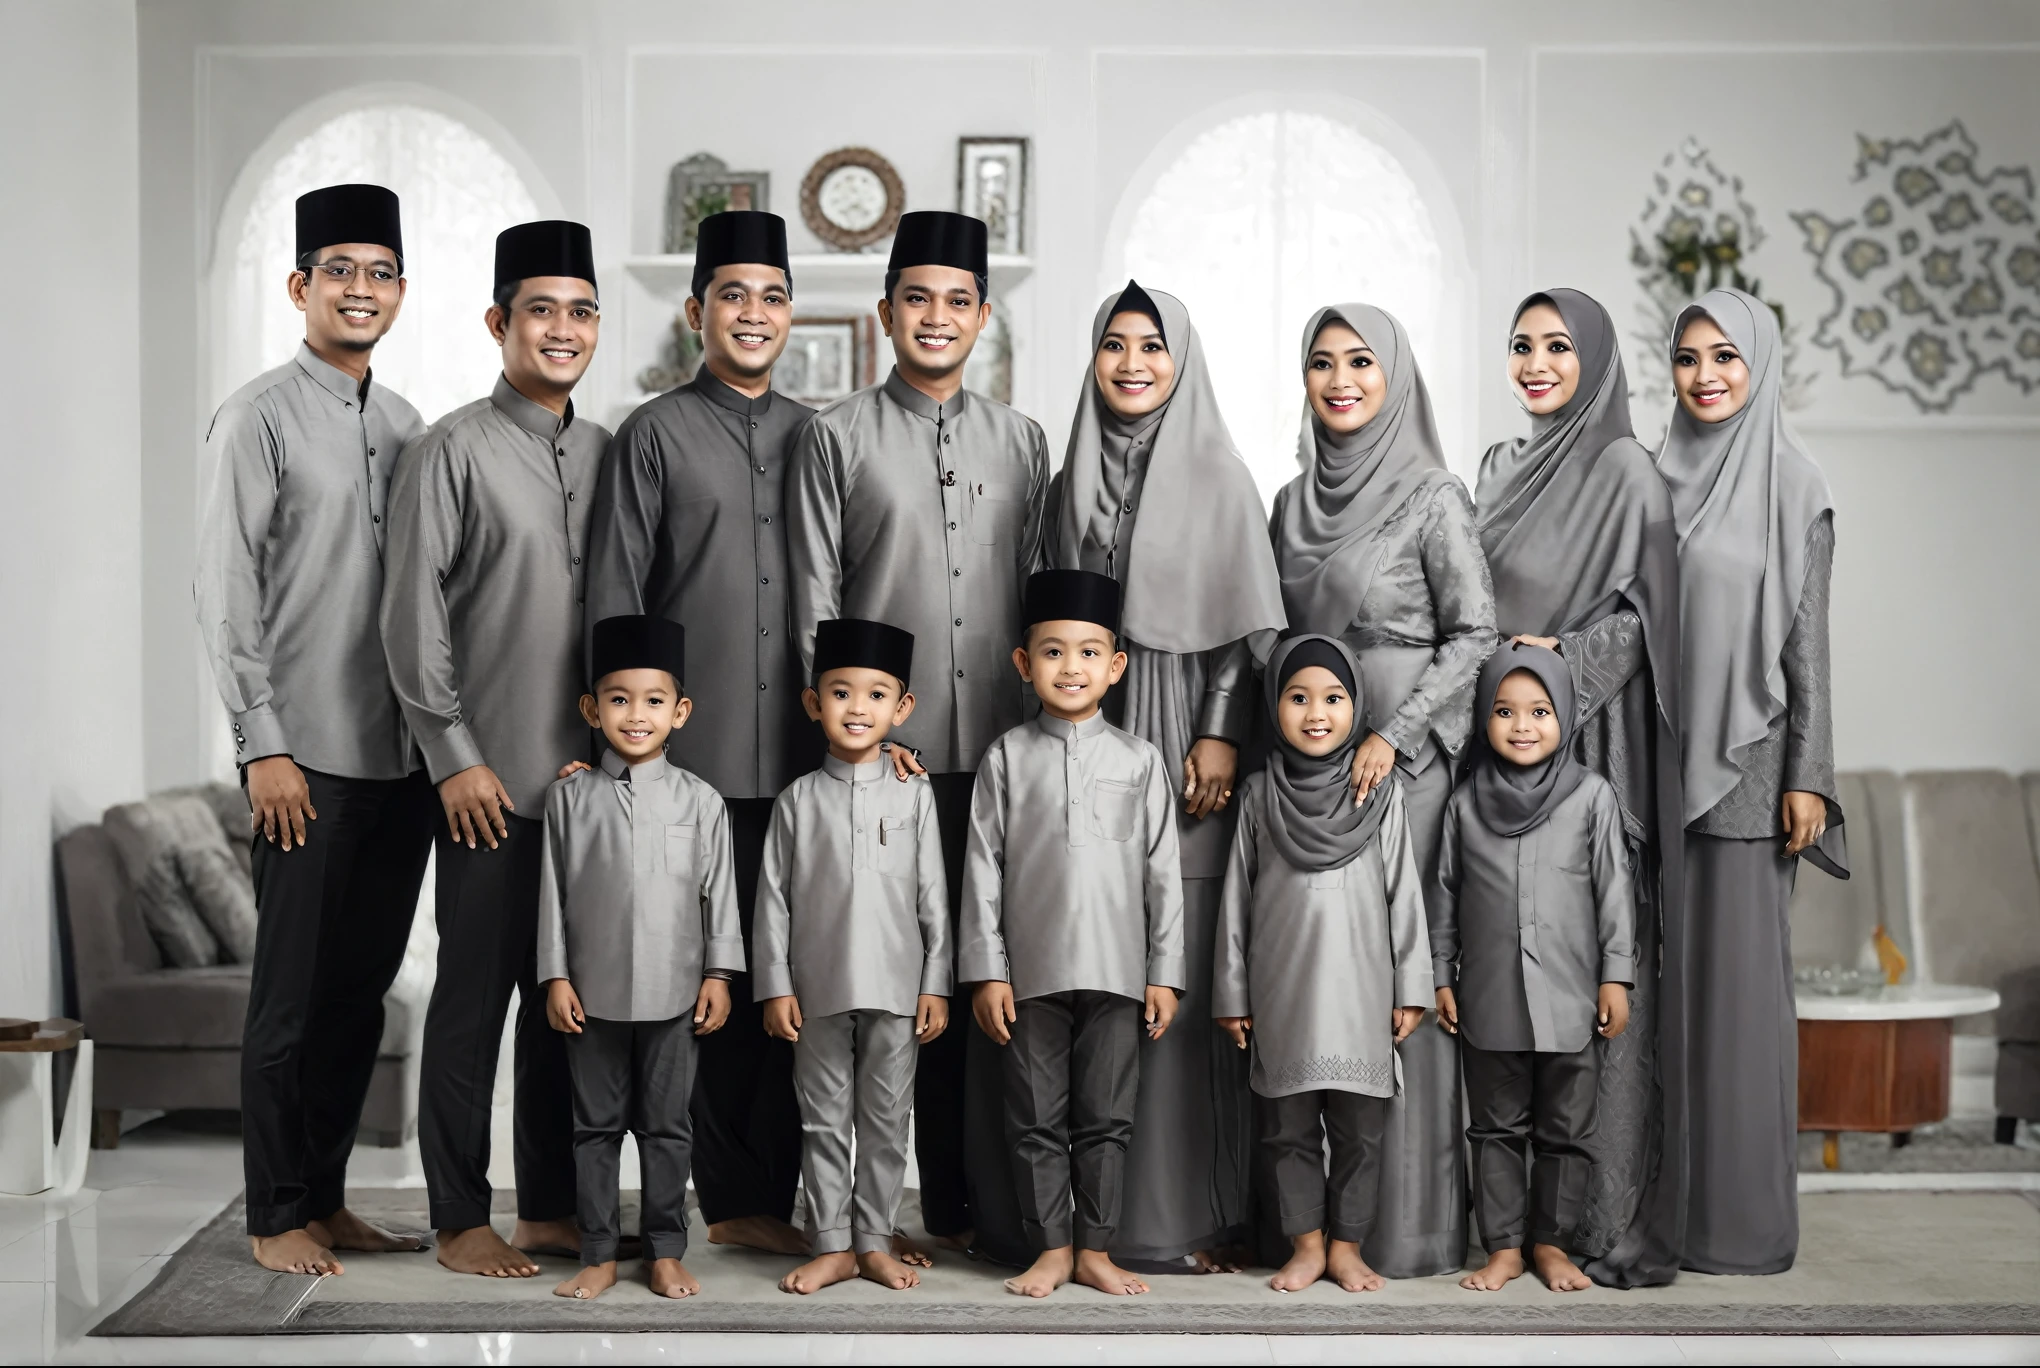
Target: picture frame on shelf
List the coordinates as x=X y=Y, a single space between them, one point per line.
x=703 y=184
x=826 y=359
x=991 y=184
x=851 y=199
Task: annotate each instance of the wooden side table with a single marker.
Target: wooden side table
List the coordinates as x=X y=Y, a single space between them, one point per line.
x=1879 y=1061
x=34 y=1156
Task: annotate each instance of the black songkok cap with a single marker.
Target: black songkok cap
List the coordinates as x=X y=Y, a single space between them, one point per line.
x=739 y=235
x=1073 y=596
x=1324 y=654
x=639 y=642
x=349 y=213
x=936 y=237
x=856 y=644
x=1133 y=299
x=550 y=247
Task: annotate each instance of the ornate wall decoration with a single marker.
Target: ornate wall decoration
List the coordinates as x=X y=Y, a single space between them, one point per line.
x=1936 y=279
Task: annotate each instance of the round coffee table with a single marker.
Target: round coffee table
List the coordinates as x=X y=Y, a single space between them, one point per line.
x=1879 y=1061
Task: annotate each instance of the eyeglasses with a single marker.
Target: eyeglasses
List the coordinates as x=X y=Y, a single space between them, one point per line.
x=340 y=272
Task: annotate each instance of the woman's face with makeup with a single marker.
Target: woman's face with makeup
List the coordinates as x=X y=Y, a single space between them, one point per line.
x=1708 y=373
x=1344 y=379
x=1544 y=366
x=1133 y=367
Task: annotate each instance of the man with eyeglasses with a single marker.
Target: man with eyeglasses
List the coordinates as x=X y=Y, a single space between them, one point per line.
x=289 y=581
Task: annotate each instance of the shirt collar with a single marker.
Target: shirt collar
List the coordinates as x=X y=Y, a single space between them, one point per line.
x=855 y=774
x=332 y=379
x=913 y=401
x=716 y=392
x=1063 y=731
x=644 y=771
x=534 y=417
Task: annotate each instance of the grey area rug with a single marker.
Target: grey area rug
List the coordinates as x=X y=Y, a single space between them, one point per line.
x=1962 y=1146
x=1874 y=1262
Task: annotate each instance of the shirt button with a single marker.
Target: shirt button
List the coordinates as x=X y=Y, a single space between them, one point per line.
x=577 y=560
x=958 y=574
x=761 y=470
x=371 y=451
x=952 y=527
x=959 y=622
x=570 y=496
x=959 y=674
x=1127 y=509
x=765 y=517
x=559 y=451
x=378 y=517
x=764 y=631
x=764 y=579
x=945 y=439
x=754 y=426
x=761 y=687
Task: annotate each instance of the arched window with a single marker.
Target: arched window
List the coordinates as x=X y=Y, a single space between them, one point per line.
x=1262 y=219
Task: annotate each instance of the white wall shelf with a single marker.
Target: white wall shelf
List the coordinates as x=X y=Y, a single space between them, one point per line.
x=670 y=276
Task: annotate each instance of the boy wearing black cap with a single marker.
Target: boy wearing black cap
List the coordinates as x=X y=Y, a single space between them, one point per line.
x=481 y=619
x=1072 y=929
x=637 y=937
x=290 y=573
x=852 y=961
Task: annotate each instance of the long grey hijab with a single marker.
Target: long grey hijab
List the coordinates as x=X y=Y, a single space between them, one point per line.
x=1309 y=808
x=1744 y=495
x=1510 y=798
x=1328 y=521
x=1199 y=572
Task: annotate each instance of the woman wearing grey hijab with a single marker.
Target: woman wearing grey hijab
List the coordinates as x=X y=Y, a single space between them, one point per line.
x=1375 y=545
x=1756 y=544
x=1578 y=531
x=1153 y=493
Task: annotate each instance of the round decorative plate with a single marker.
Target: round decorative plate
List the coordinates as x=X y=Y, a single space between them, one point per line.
x=852 y=197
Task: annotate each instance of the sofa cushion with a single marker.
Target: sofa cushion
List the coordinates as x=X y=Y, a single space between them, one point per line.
x=107 y=940
x=173 y=1009
x=224 y=896
x=192 y=894
x=2018 y=1016
x=229 y=804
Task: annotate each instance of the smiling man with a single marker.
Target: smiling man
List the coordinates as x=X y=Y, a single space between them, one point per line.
x=918 y=503
x=481 y=618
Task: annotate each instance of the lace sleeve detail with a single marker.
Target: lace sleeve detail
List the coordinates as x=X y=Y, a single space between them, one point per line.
x=1463 y=607
x=1809 y=700
x=1604 y=656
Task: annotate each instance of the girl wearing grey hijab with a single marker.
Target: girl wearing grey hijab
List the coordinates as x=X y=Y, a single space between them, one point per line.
x=1579 y=537
x=1756 y=544
x=1375 y=545
x=1201 y=604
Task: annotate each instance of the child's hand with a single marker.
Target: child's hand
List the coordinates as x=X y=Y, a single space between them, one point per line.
x=1448 y=1011
x=782 y=1017
x=931 y=1017
x=1614 y=1010
x=1161 y=1009
x=711 y=1006
x=1237 y=1028
x=1407 y=1019
x=571 y=766
x=992 y=1004
x=563 y=1007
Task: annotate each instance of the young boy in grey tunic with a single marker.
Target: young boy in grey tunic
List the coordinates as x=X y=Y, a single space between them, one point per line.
x=852 y=937
x=637 y=937
x=1072 y=929
x=1322 y=955
x=1534 y=940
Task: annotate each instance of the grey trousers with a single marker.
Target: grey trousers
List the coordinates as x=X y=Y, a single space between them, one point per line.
x=1072 y=1078
x=636 y=1076
x=1529 y=1099
x=854 y=1066
x=1294 y=1130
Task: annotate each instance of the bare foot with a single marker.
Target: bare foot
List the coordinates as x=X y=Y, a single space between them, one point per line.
x=590 y=1283
x=481 y=1250
x=670 y=1278
x=768 y=1233
x=344 y=1230
x=960 y=1243
x=1349 y=1270
x=294 y=1251
x=820 y=1271
x=1306 y=1263
x=548 y=1237
x=1096 y=1269
x=908 y=1250
x=1214 y=1261
x=1559 y=1272
x=1051 y=1269
x=883 y=1269
x=1503 y=1267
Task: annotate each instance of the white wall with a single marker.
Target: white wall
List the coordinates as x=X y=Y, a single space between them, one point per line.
x=73 y=693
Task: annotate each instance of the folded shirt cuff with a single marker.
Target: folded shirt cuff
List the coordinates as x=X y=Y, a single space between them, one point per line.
x=450 y=752
x=1415 y=990
x=258 y=734
x=935 y=977
x=551 y=967
x=1443 y=974
x=1168 y=971
x=723 y=952
x=1618 y=969
x=771 y=981
x=983 y=966
x=1229 y=1004
x=1227 y=716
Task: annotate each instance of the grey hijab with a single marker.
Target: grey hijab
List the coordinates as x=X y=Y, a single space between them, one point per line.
x=1309 y=809
x=1328 y=521
x=1744 y=495
x=1199 y=572
x=1510 y=798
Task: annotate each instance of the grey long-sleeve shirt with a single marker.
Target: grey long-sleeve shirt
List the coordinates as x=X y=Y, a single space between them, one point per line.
x=1320 y=960
x=1529 y=927
x=689 y=524
x=637 y=895
x=927 y=516
x=290 y=568
x=1072 y=876
x=853 y=905
x=481 y=605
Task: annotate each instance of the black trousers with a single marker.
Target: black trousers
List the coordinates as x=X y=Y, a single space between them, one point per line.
x=1294 y=1131
x=1518 y=1100
x=488 y=945
x=333 y=916
x=634 y=1076
x=939 y=1093
x=1072 y=1078
x=746 y=1114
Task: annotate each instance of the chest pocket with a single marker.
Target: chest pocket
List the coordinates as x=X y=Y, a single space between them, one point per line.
x=1114 y=806
x=896 y=847
x=679 y=851
x=995 y=508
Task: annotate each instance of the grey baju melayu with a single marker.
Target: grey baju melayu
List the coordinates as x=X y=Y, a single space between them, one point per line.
x=636 y=904
x=853 y=921
x=1073 y=894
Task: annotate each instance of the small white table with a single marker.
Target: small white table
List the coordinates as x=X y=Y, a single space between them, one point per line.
x=1879 y=1061
x=35 y=1157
